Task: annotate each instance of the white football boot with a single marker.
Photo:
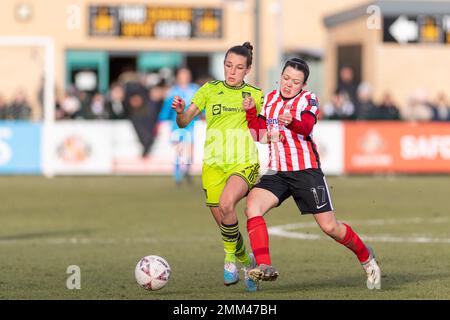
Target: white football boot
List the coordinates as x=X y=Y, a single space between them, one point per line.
x=373 y=271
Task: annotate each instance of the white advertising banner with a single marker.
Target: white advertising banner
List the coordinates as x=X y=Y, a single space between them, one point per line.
x=82 y=147
x=127 y=151
x=329 y=138
x=113 y=147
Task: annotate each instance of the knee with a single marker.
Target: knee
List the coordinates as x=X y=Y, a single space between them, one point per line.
x=252 y=210
x=226 y=206
x=331 y=229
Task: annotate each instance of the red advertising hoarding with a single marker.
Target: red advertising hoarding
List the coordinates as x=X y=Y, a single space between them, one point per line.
x=396 y=147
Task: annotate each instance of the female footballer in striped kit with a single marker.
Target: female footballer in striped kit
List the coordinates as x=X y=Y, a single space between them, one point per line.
x=286 y=122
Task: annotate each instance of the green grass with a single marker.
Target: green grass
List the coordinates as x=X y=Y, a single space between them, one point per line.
x=106 y=224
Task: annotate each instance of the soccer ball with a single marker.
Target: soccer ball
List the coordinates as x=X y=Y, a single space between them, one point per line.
x=152 y=272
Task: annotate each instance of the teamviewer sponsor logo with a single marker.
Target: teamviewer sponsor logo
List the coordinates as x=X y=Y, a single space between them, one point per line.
x=216 y=109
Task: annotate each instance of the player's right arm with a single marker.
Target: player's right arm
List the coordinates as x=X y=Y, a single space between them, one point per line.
x=184 y=117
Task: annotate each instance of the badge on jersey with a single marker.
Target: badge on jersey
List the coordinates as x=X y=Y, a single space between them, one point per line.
x=246 y=94
x=312 y=102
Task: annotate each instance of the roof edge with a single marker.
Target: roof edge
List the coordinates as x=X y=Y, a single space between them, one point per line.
x=390 y=8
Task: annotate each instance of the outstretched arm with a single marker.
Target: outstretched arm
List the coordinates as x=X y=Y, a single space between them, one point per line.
x=184 y=117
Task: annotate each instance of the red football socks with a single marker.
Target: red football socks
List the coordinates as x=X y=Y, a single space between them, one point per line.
x=259 y=239
x=353 y=242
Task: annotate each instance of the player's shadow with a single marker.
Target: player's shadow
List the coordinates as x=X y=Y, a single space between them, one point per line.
x=396 y=280
x=389 y=281
x=45 y=234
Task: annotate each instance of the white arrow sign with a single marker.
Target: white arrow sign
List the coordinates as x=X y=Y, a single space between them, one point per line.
x=404 y=30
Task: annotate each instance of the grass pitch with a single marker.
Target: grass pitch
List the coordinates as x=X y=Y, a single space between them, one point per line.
x=105 y=225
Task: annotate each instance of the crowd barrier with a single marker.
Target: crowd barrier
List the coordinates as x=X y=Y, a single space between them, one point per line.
x=112 y=147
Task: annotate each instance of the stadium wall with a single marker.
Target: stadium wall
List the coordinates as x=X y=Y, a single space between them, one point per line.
x=112 y=147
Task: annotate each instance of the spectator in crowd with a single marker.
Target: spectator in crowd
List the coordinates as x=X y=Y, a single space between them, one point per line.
x=85 y=99
x=418 y=108
x=131 y=82
x=92 y=108
x=387 y=110
x=365 y=105
x=441 y=109
x=20 y=108
x=155 y=101
x=339 y=108
x=70 y=105
x=182 y=138
x=115 y=102
x=3 y=108
x=137 y=108
x=137 y=102
x=347 y=84
x=97 y=109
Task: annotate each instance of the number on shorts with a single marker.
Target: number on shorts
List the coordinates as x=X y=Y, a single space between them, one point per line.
x=323 y=191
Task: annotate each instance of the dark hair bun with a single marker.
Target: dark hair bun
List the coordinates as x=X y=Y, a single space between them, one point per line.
x=248 y=45
x=245 y=50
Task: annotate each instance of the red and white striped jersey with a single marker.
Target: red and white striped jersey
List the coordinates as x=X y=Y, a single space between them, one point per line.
x=294 y=152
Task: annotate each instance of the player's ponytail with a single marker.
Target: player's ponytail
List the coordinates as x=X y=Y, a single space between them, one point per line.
x=245 y=50
x=249 y=56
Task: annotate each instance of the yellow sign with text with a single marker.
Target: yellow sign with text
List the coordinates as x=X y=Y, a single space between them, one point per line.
x=156 y=22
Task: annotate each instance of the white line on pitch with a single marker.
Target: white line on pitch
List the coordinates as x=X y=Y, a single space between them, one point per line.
x=286 y=231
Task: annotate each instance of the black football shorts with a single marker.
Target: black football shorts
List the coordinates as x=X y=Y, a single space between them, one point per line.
x=308 y=188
